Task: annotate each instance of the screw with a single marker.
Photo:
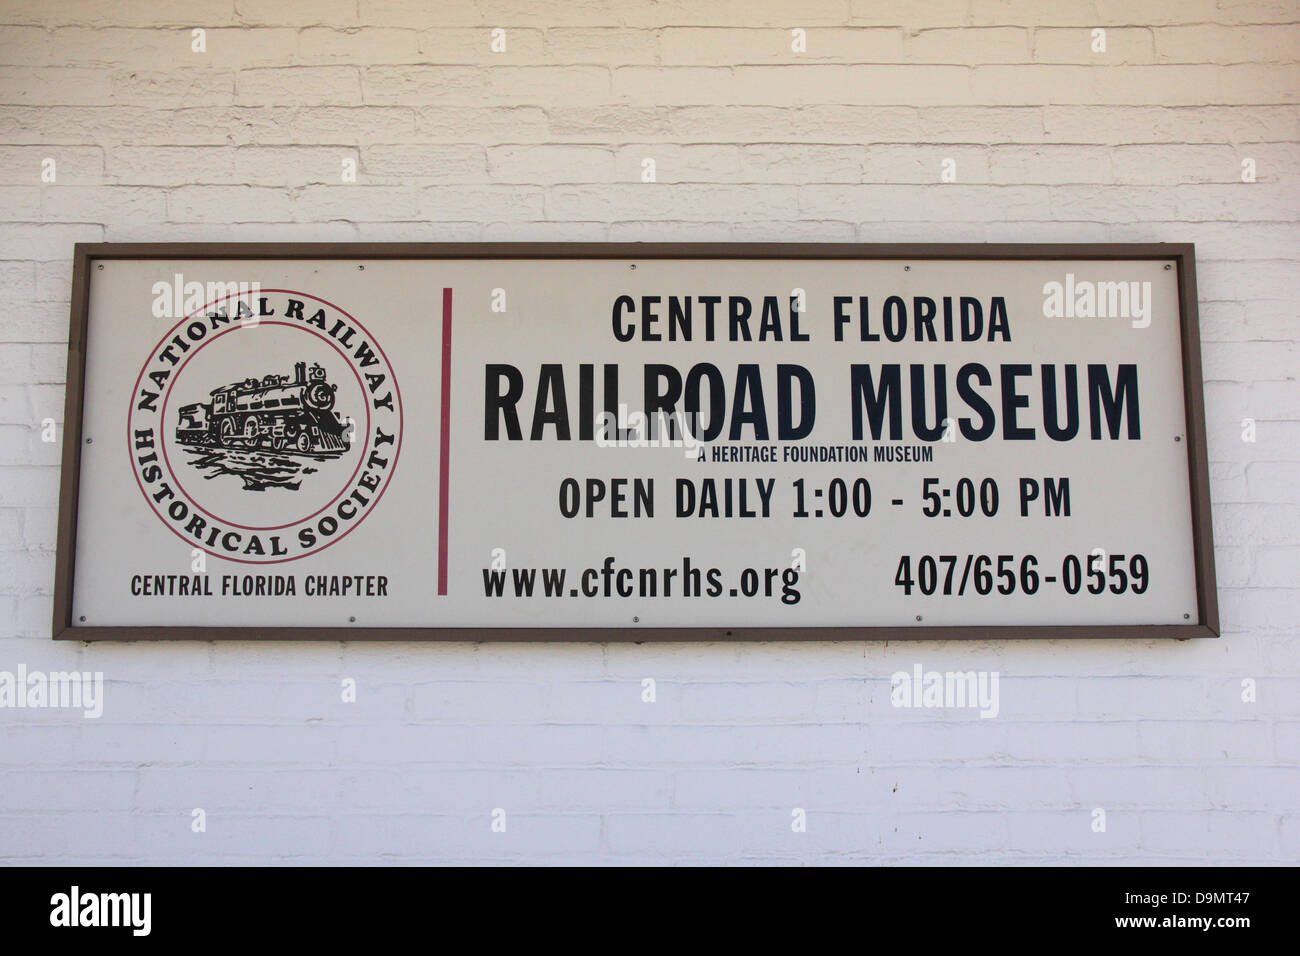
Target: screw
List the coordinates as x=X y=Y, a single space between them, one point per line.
x=907 y=268
x=1168 y=267
x=361 y=268
x=1187 y=617
x=100 y=267
x=636 y=620
x=918 y=617
x=632 y=266
x=1178 y=438
x=352 y=620
x=90 y=441
x=83 y=618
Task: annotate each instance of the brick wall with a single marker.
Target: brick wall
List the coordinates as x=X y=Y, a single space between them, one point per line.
x=752 y=141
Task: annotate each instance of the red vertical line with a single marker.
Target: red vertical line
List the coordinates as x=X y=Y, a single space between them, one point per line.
x=444 y=457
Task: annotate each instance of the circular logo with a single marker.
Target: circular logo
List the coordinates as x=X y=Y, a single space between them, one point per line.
x=265 y=427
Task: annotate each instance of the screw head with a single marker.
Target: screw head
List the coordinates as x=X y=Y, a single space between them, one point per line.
x=82 y=618
x=636 y=620
x=918 y=617
x=352 y=620
x=90 y=441
x=907 y=268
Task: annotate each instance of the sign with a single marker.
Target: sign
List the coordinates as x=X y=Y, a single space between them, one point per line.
x=605 y=442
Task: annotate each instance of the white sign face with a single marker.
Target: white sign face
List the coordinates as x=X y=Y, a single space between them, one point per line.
x=633 y=443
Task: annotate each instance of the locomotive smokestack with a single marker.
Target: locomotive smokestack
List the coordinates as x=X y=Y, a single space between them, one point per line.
x=300 y=373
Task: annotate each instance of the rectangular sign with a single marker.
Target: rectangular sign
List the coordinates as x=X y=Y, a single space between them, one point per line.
x=606 y=442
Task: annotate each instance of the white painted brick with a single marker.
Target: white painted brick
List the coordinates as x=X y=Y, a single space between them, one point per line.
x=1162 y=124
x=73 y=166
x=24 y=572
x=194 y=86
x=114 y=124
x=1269 y=278
x=40 y=527
x=279 y=13
x=1272 y=481
x=1206 y=43
x=421 y=85
x=11 y=523
x=150 y=48
x=952 y=202
x=752 y=142
x=1266 y=361
x=428 y=162
x=1276 y=568
x=683 y=164
x=1051 y=164
x=796 y=163
x=170 y=165
x=292 y=165
x=230 y=203
x=102 y=203
x=457 y=124
x=1240 y=202
x=321 y=45
x=782 y=231
x=23 y=203
x=969 y=46
x=15 y=449
x=597 y=46
x=1027 y=85
x=1212 y=832
x=1120 y=204
x=978 y=124
x=1179 y=85
x=909 y=13
x=55 y=86
x=762 y=13
x=921 y=165
x=406 y=13
x=545 y=165
x=1123 y=45
x=298 y=86
x=1161 y=165
x=108 y=13
x=660 y=201
x=728 y=46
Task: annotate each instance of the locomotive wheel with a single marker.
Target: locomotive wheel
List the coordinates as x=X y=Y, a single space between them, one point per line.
x=227 y=433
x=304 y=442
x=250 y=432
x=278 y=442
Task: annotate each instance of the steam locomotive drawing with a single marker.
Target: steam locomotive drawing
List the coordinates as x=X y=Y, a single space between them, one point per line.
x=277 y=411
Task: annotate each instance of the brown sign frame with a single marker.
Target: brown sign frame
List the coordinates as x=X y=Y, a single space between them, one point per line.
x=1183 y=254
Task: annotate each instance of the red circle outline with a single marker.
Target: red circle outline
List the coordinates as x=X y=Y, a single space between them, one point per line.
x=397 y=451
